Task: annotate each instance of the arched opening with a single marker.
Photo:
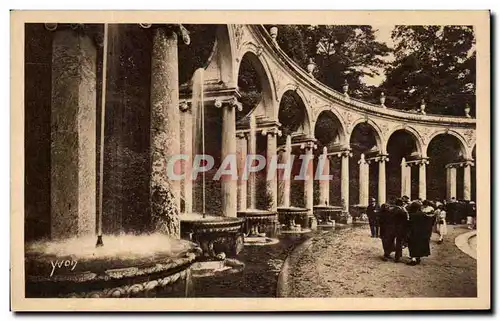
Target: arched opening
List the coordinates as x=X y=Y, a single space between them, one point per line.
x=402 y=180
x=249 y=85
x=329 y=133
x=294 y=121
x=197 y=53
x=255 y=87
x=256 y=100
x=292 y=115
x=365 y=140
x=443 y=150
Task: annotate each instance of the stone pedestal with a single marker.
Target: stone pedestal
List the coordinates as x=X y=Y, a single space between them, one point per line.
x=242 y=183
x=73 y=134
x=165 y=193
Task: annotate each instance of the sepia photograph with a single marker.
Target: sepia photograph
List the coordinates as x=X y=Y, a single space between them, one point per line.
x=320 y=157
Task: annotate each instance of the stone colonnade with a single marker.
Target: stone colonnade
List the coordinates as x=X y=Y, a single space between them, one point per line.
x=451 y=179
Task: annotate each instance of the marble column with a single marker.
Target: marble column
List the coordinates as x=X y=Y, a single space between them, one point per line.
x=451 y=181
x=324 y=184
x=309 y=179
x=422 y=179
x=242 y=183
x=408 y=180
x=285 y=180
x=467 y=180
x=73 y=135
x=364 y=168
x=252 y=150
x=381 y=178
x=228 y=149
x=344 y=187
x=403 y=177
x=186 y=131
x=165 y=193
x=271 y=181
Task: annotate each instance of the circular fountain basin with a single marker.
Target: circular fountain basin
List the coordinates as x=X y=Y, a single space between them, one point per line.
x=295 y=220
x=126 y=266
x=214 y=234
x=216 y=268
x=260 y=226
x=327 y=215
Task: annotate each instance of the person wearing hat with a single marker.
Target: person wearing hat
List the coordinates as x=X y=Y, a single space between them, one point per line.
x=372 y=211
x=471 y=215
x=394 y=230
x=420 y=229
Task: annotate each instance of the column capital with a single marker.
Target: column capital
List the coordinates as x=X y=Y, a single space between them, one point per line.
x=175 y=28
x=229 y=103
x=185 y=106
x=423 y=161
x=309 y=145
x=465 y=163
x=381 y=158
x=242 y=135
x=89 y=30
x=272 y=131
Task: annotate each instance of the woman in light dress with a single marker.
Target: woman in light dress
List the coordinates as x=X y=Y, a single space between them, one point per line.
x=441 y=229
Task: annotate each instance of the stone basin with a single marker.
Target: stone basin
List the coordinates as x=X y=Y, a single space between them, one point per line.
x=259 y=223
x=327 y=215
x=295 y=219
x=151 y=265
x=216 y=235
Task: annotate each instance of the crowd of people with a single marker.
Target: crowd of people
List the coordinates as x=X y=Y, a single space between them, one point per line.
x=405 y=223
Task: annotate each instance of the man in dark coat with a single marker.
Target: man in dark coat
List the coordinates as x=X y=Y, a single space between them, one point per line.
x=420 y=230
x=372 y=213
x=387 y=230
x=393 y=229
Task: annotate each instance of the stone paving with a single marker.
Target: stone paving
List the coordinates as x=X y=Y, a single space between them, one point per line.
x=349 y=264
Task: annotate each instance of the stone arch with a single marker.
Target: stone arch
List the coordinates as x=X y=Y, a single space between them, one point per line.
x=331 y=112
x=413 y=133
x=307 y=125
x=466 y=152
x=376 y=129
x=224 y=56
x=254 y=54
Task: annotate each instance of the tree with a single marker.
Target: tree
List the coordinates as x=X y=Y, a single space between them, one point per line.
x=341 y=53
x=436 y=64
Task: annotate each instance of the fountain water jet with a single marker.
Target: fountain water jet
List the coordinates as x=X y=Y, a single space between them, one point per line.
x=217 y=235
x=288 y=215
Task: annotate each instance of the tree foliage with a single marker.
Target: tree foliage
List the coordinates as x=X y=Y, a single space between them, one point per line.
x=341 y=53
x=434 y=63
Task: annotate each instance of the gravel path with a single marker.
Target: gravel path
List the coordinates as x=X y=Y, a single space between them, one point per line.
x=349 y=264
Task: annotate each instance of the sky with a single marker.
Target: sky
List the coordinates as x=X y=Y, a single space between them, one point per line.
x=383 y=34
